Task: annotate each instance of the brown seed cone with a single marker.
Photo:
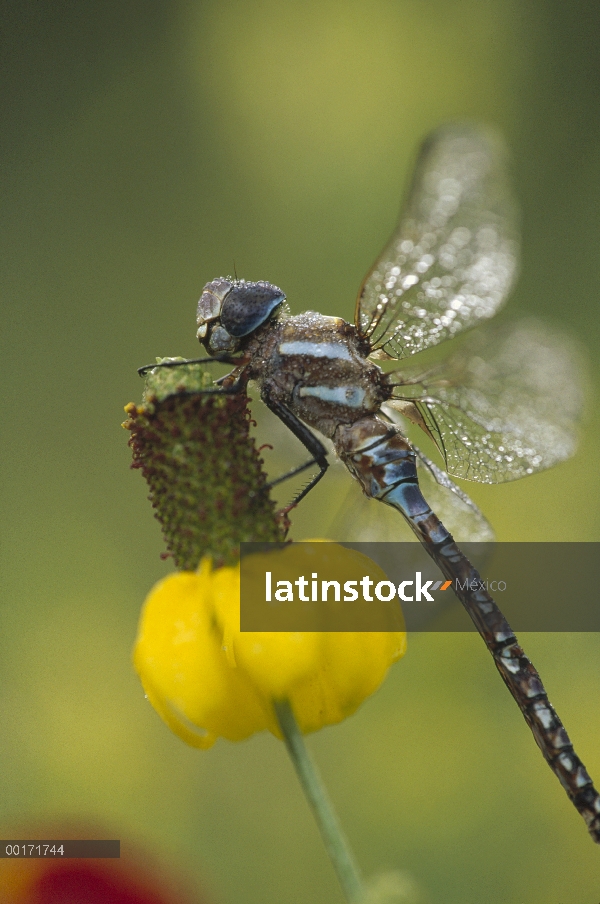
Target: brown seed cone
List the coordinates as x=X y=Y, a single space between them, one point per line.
x=202 y=466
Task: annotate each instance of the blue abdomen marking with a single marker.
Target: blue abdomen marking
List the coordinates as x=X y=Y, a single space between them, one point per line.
x=387 y=470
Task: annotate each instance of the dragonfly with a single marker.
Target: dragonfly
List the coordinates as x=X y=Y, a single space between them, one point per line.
x=502 y=406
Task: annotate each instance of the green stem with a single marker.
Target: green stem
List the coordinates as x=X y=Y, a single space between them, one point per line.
x=314 y=790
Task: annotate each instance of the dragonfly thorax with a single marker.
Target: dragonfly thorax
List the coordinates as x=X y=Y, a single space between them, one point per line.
x=317 y=367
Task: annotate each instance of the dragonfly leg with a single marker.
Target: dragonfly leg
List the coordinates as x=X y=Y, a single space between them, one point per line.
x=293 y=472
x=238 y=385
x=308 y=440
x=222 y=359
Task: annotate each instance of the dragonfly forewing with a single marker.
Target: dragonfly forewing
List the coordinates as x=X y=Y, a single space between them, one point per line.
x=453 y=258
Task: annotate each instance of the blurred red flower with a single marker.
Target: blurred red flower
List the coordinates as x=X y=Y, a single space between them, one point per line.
x=132 y=879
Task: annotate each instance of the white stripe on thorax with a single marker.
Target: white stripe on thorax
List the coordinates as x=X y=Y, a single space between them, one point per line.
x=350 y=396
x=315 y=349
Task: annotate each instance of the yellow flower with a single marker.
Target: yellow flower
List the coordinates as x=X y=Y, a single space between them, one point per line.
x=207 y=679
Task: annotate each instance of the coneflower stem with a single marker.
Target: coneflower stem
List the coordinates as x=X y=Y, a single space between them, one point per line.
x=314 y=790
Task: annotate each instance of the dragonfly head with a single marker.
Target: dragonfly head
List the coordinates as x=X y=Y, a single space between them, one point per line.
x=230 y=310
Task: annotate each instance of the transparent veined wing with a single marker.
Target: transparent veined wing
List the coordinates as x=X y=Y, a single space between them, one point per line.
x=453 y=258
x=503 y=406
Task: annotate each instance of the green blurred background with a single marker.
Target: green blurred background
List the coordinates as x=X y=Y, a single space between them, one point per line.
x=147 y=148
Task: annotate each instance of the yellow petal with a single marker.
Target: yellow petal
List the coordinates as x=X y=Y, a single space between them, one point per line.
x=183 y=667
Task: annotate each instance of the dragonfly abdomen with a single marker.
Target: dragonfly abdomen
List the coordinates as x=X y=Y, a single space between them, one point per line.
x=382 y=460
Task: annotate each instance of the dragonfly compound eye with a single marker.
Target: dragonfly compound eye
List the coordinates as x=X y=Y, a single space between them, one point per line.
x=248 y=305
